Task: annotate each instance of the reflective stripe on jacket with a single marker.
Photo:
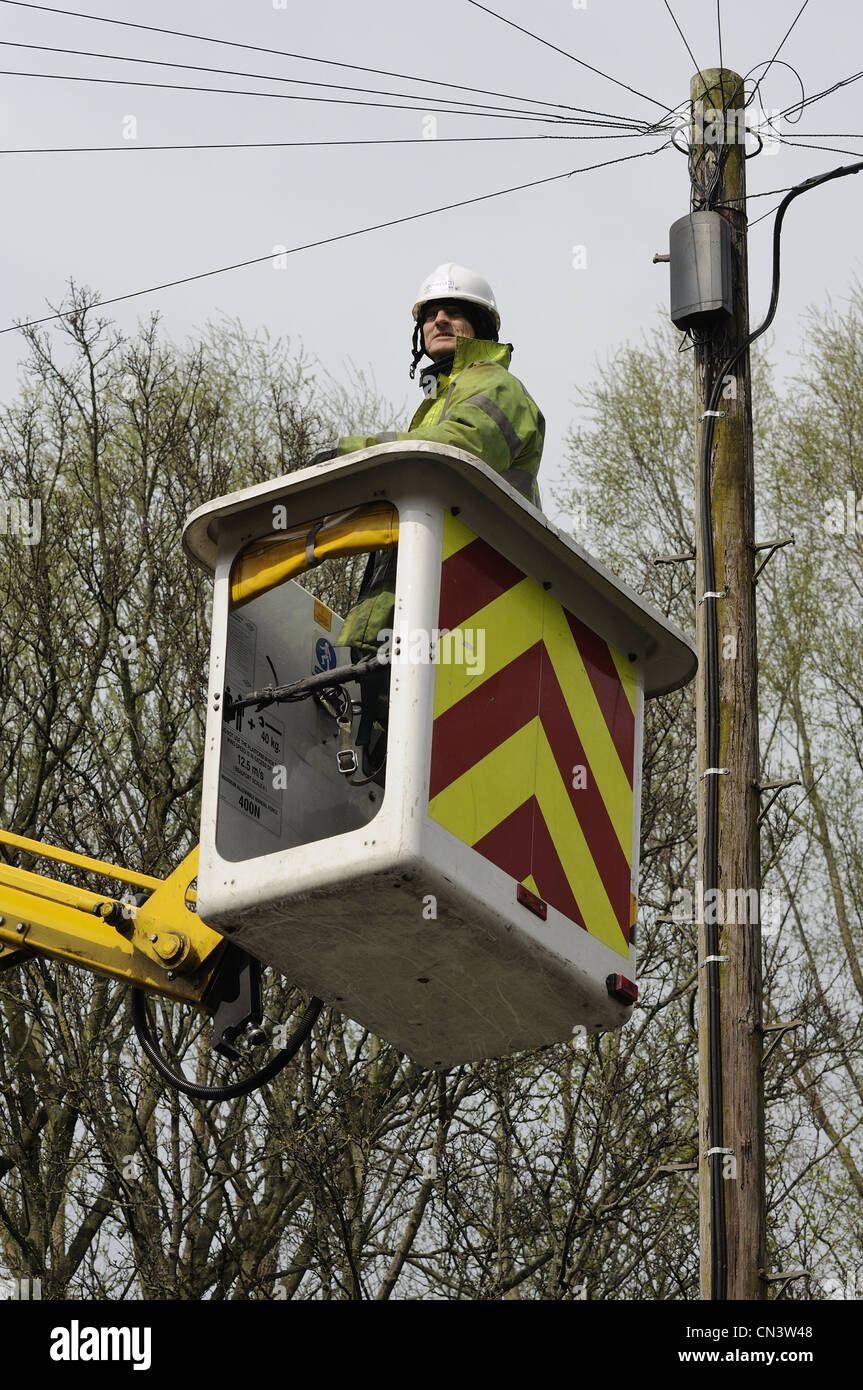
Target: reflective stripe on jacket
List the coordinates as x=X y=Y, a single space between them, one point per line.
x=482 y=408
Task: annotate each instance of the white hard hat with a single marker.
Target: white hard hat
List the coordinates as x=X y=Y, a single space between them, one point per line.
x=451 y=281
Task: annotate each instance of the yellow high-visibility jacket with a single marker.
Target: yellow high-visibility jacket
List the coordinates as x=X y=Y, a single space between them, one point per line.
x=478 y=406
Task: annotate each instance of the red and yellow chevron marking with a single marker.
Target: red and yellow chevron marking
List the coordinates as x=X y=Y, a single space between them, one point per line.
x=552 y=697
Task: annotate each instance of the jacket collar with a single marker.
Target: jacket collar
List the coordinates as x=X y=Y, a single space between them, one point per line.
x=468 y=350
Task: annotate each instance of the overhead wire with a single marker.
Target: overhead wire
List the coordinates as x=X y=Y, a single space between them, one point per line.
x=634 y=90
x=769 y=63
x=756 y=220
x=832 y=149
x=280 y=53
x=768 y=193
x=621 y=126
x=719 y=30
x=779 y=49
x=533 y=118
x=273 y=77
x=629 y=127
x=287 y=96
x=689 y=51
x=771 y=192
x=827 y=135
x=767 y=66
x=341 y=236
x=799 y=107
x=307 y=144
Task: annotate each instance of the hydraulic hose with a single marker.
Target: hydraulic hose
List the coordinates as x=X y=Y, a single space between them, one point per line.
x=150 y=1047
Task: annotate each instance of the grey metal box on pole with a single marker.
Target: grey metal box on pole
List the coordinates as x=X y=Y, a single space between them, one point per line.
x=699 y=246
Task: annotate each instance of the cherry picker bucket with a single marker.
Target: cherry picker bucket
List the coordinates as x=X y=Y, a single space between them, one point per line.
x=477 y=894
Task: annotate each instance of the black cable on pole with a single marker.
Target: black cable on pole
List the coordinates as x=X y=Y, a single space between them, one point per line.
x=769 y=63
x=150 y=1047
x=719 y=1248
x=815 y=182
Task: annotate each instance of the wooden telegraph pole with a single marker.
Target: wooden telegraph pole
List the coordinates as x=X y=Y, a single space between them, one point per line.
x=731 y=1172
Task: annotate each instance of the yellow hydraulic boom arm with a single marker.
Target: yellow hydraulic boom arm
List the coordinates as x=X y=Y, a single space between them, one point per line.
x=160 y=944
x=156 y=943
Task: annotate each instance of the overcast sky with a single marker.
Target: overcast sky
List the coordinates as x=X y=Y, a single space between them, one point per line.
x=570 y=260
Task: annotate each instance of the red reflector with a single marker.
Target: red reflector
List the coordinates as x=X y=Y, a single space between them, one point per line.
x=620 y=988
x=531 y=901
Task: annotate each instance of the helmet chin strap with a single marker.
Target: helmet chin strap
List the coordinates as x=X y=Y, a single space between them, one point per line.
x=417 y=347
x=419 y=350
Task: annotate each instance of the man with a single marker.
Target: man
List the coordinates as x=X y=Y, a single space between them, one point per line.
x=471 y=401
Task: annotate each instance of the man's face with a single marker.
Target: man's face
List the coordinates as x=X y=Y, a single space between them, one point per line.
x=443 y=320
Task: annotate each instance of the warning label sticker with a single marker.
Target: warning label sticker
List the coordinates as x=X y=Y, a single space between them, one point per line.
x=323 y=615
x=252 y=747
x=240 y=656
